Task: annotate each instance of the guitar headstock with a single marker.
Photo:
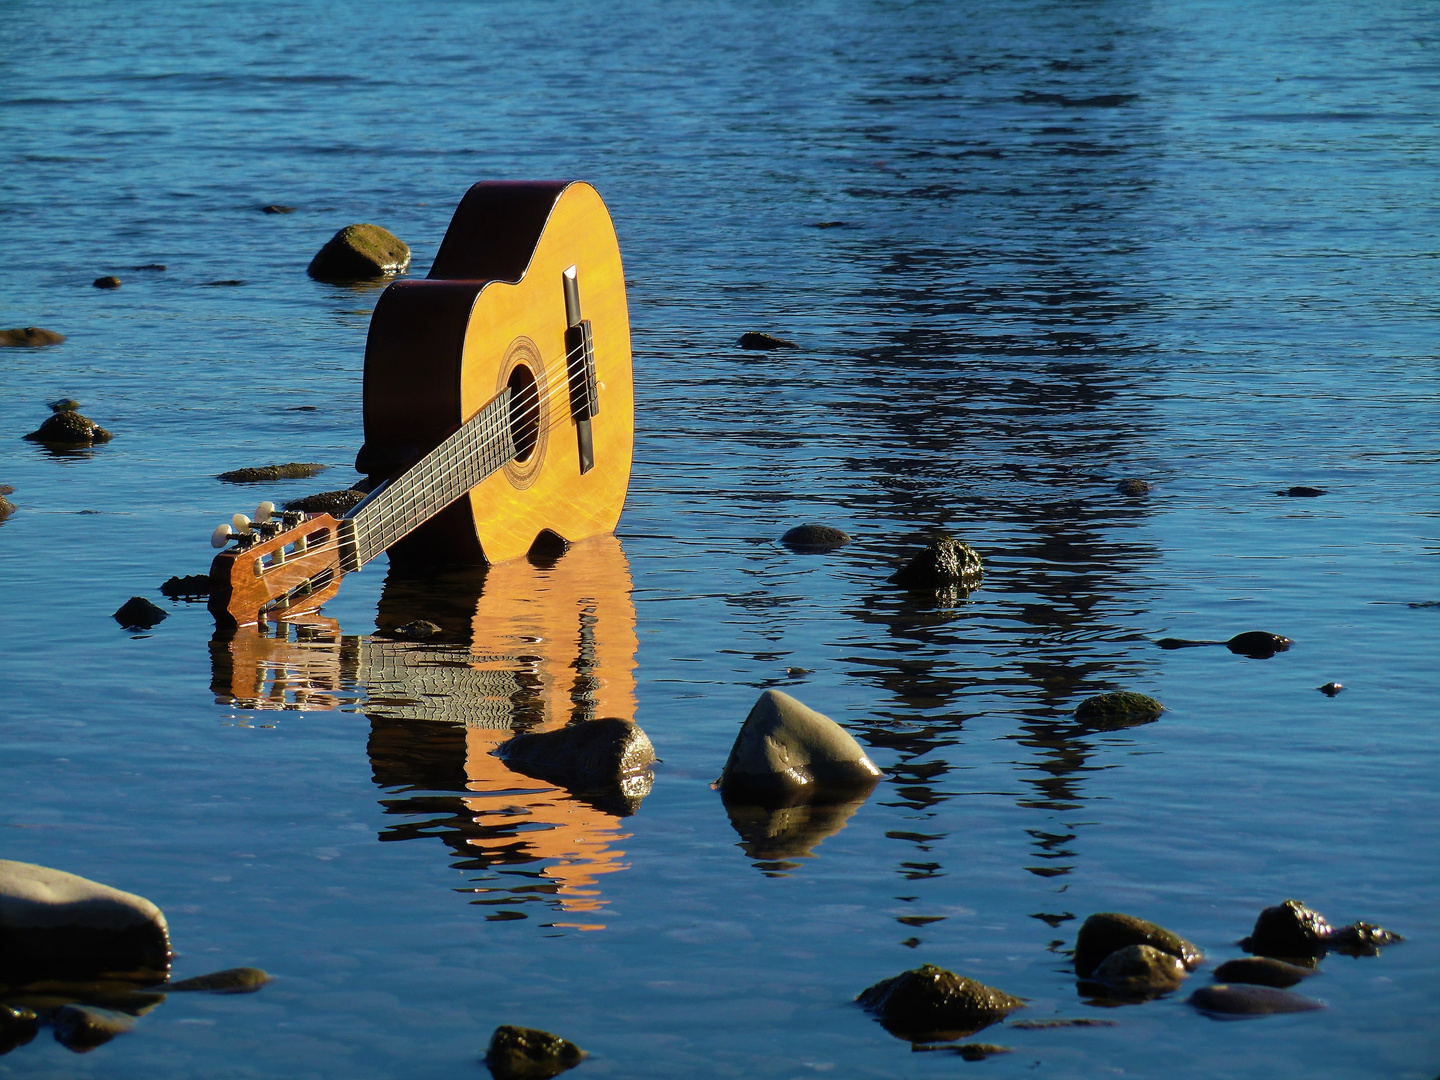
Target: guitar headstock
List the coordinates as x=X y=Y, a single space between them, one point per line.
x=279 y=565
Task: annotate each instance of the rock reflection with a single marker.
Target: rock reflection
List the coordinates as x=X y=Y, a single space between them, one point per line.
x=522 y=648
x=775 y=835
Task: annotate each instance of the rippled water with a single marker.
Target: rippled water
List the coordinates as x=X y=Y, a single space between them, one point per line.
x=1194 y=243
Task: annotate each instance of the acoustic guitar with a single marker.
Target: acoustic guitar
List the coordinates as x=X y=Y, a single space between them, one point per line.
x=499 y=412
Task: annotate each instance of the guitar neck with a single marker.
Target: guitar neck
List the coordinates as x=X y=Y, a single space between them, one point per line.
x=482 y=445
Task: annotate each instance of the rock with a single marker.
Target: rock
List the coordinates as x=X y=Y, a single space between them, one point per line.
x=84 y=1027
x=1361 y=939
x=64 y=404
x=796 y=672
x=1258 y=645
x=1181 y=643
x=1139 y=971
x=18 y=1025
x=1103 y=933
x=785 y=749
x=1045 y=1025
x=276 y=208
x=764 y=342
x=69 y=428
x=29 y=337
x=292 y=470
x=929 y=1002
x=416 y=630
x=1302 y=492
x=6 y=506
x=241 y=980
x=328 y=502
x=360 y=253
x=1134 y=487
x=519 y=1053
x=771 y=833
x=814 y=538
x=1262 y=971
x=1222 y=999
x=1330 y=689
x=189 y=587
x=945 y=561
x=1288 y=929
x=109 y=281
x=137 y=613
x=1118 y=709
x=592 y=755
x=829 y=224
x=55 y=925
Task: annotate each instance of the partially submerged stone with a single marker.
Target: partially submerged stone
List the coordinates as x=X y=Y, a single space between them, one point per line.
x=1331 y=689
x=945 y=561
x=6 y=506
x=1361 y=939
x=591 y=755
x=416 y=630
x=189 y=587
x=1134 y=487
x=1262 y=971
x=930 y=1002
x=1118 y=709
x=764 y=342
x=241 y=980
x=137 y=613
x=1258 y=645
x=786 y=748
x=84 y=1027
x=277 y=208
x=1224 y=999
x=335 y=503
x=1288 y=929
x=29 y=337
x=55 y=925
x=1104 y=932
x=1302 y=492
x=109 y=281
x=66 y=427
x=521 y=1053
x=360 y=253
x=814 y=538
x=1045 y=1025
x=291 y=470
x=1138 y=972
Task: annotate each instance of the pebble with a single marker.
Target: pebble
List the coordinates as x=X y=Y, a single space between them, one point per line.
x=814 y=538
x=944 y=561
x=109 y=281
x=764 y=342
x=1258 y=645
x=521 y=1053
x=1262 y=971
x=137 y=613
x=360 y=253
x=930 y=1002
x=291 y=470
x=595 y=754
x=241 y=980
x=1118 y=709
x=787 y=749
x=66 y=427
x=1288 y=929
x=328 y=502
x=1224 y=999
x=1103 y=933
x=1134 y=487
x=29 y=337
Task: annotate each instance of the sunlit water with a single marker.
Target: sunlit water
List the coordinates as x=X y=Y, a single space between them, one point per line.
x=1194 y=243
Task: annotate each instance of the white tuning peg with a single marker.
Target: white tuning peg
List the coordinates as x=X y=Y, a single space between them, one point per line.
x=221 y=536
x=264 y=510
x=241 y=523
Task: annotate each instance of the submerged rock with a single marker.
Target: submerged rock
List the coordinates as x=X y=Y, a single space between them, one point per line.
x=520 y=1053
x=60 y=926
x=360 y=253
x=1045 y=1025
x=291 y=470
x=1258 y=645
x=241 y=980
x=814 y=538
x=137 y=613
x=84 y=1027
x=189 y=587
x=944 y=561
x=1118 y=709
x=64 y=404
x=68 y=428
x=109 y=281
x=18 y=1025
x=29 y=337
x=1223 y=999
x=1361 y=939
x=593 y=754
x=1331 y=689
x=766 y=342
x=929 y=1002
x=277 y=208
x=1262 y=971
x=1134 y=487
x=1138 y=972
x=1301 y=492
x=1288 y=929
x=1105 y=932
x=335 y=503
x=787 y=749
x=416 y=630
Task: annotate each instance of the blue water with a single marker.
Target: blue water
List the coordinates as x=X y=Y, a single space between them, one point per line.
x=1195 y=243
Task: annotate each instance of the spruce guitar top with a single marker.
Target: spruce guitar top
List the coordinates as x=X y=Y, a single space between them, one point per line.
x=499 y=413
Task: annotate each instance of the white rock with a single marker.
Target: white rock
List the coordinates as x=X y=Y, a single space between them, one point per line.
x=787 y=748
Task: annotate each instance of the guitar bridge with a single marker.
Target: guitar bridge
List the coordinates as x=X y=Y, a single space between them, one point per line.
x=580 y=367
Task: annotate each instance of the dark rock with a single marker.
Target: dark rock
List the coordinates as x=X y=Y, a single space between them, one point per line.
x=360 y=253
x=1134 y=487
x=830 y=224
x=241 y=980
x=1181 y=643
x=786 y=749
x=416 y=630
x=139 y=613
x=1223 y=999
x=1137 y=972
x=292 y=470
x=109 y=281
x=593 y=755
x=519 y=1053
x=189 y=587
x=1361 y=939
x=770 y=833
x=67 y=427
x=1302 y=492
x=1044 y=1025
x=59 y=926
x=1258 y=645
x=1118 y=709
x=1330 y=689
x=328 y=502
x=222 y=283
x=764 y=342
x=1288 y=929
x=158 y=268
x=84 y=1027
x=64 y=404
x=944 y=561
x=796 y=672
x=929 y=1002
x=29 y=337
x=305 y=408
x=1103 y=933
x=1262 y=971
x=276 y=208
x=814 y=538
x=18 y=1025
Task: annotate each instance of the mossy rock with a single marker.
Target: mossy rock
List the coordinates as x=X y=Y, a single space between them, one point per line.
x=1134 y=487
x=29 y=337
x=1362 y=939
x=291 y=470
x=328 y=502
x=930 y=1002
x=520 y=1053
x=1107 y=931
x=360 y=253
x=68 y=428
x=416 y=630
x=944 y=562
x=1118 y=709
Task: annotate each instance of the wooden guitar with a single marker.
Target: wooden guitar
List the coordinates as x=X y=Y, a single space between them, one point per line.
x=498 y=413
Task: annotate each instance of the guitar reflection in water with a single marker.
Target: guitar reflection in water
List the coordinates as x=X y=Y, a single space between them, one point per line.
x=525 y=645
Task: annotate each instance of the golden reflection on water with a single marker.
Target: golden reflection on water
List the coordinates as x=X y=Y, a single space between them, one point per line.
x=522 y=647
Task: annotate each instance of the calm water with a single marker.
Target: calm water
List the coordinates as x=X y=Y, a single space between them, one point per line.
x=1191 y=242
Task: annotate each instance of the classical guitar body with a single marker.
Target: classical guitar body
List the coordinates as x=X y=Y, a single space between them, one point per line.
x=493 y=313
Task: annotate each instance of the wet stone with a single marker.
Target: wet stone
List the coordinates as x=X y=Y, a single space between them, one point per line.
x=1118 y=709
x=1224 y=999
x=1330 y=689
x=1139 y=971
x=139 y=613
x=109 y=281
x=593 y=754
x=6 y=506
x=764 y=342
x=944 y=561
x=829 y=224
x=1301 y=492
x=1288 y=929
x=930 y=1002
x=1103 y=933
x=814 y=538
x=520 y=1053
x=29 y=337
x=291 y=470
x=18 y=1026
x=1361 y=939
x=328 y=502
x=416 y=630
x=68 y=428
x=241 y=980
x=787 y=749
x=189 y=587
x=84 y=1027
x=360 y=253
x=1258 y=645
x=1134 y=487
x=1262 y=971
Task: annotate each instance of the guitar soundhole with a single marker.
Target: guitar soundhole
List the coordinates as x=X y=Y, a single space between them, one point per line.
x=524 y=412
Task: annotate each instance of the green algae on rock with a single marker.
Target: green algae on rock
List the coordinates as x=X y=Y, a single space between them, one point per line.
x=29 y=337
x=1106 y=931
x=360 y=253
x=521 y=1053
x=328 y=502
x=1118 y=709
x=66 y=427
x=930 y=1002
x=291 y=470
x=1134 y=487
